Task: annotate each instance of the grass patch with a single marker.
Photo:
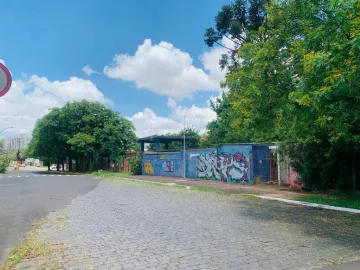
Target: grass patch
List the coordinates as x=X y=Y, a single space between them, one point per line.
x=109 y=174
x=347 y=201
x=32 y=247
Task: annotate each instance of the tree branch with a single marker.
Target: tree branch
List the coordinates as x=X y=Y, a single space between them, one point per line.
x=224 y=46
x=233 y=39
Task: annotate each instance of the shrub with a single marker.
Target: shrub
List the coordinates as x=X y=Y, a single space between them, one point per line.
x=135 y=165
x=2 y=168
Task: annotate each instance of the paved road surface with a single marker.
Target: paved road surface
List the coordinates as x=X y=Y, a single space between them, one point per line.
x=130 y=225
x=27 y=196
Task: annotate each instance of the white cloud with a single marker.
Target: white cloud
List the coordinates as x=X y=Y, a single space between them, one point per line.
x=165 y=70
x=88 y=70
x=148 y=123
x=29 y=99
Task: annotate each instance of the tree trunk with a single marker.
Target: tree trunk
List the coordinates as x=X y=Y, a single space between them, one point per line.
x=48 y=166
x=63 y=167
x=77 y=164
x=82 y=161
x=90 y=164
x=70 y=164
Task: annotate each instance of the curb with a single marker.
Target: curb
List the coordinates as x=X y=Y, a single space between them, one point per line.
x=322 y=206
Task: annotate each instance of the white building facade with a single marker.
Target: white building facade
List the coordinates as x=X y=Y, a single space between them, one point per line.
x=16 y=143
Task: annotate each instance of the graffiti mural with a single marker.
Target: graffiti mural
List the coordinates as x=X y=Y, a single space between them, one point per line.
x=148 y=168
x=224 y=167
x=168 y=166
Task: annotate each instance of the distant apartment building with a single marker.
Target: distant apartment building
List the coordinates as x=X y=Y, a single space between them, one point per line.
x=16 y=143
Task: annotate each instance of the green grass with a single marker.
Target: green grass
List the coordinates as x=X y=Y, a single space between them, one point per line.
x=112 y=175
x=109 y=175
x=347 y=201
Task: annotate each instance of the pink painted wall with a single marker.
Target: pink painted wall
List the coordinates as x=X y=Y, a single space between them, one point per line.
x=293 y=179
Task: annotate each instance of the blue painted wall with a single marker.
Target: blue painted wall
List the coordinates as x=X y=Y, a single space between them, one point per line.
x=236 y=163
x=163 y=164
x=192 y=161
x=261 y=162
x=228 y=163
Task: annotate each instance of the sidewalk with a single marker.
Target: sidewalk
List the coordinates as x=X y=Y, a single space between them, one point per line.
x=262 y=189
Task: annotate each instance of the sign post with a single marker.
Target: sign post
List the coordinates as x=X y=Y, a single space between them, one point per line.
x=5 y=80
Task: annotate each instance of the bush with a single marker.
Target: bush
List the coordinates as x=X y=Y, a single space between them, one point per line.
x=2 y=168
x=135 y=165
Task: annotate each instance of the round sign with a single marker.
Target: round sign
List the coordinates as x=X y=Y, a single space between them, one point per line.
x=5 y=80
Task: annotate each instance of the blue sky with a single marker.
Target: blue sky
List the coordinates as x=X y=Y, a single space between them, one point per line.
x=47 y=44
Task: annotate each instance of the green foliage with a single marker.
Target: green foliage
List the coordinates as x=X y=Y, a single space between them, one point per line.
x=347 y=201
x=2 y=143
x=82 y=130
x=2 y=167
x=192 y=143
x=221 y=130
x=135 y=165
x=297 y=82
x=233 y=22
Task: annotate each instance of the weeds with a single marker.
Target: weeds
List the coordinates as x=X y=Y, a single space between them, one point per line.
x=31 y=248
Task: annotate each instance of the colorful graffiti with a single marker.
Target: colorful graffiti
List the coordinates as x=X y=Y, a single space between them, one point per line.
x=148 y=168
x=224 y=167
x=168 y=166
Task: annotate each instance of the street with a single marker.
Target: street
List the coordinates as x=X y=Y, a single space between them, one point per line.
x=130 y=225
x=27 y=196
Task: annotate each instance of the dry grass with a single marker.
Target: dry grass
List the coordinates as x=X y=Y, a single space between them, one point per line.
x=32 y=247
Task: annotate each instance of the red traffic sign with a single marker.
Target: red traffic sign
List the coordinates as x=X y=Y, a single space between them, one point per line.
x=5 y=80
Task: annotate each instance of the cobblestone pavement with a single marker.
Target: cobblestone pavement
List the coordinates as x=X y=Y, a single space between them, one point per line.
x=131 y=225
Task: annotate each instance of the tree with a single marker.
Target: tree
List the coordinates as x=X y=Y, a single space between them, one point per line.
x=300 y=86
x=221 y=130
x=234 y=22
x=84 y=131
x=191 y=132
x=2 y=143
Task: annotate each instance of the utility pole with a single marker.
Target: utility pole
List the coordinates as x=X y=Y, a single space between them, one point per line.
x=184 y=149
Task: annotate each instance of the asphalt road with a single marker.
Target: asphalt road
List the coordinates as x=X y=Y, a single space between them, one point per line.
x=28 y=196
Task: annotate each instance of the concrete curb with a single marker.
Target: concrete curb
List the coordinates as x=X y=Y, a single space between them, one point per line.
x=343 y=209
x=323 y=206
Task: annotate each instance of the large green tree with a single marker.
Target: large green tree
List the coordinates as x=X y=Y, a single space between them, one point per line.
x=82 y=131
x=235 y=23
x=300 y=86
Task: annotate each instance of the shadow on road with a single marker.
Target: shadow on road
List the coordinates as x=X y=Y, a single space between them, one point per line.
x=327 y=225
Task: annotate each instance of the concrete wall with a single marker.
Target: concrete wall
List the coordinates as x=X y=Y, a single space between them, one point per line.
x=162 y=164
x=228 y=163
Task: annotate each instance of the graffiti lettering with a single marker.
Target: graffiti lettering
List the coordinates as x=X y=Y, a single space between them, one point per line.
x=224 y=167
x=148 y=168
x=168 y=166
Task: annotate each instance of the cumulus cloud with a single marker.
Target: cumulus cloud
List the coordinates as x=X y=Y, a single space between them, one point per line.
x=148 y=123
x=88 y=70
x=165 y=70
x=29 y=99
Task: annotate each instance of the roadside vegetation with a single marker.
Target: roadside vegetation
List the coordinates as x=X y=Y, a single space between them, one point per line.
x=83 y=132
x=32 y=247
x=292 y=77
x=340 y=200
